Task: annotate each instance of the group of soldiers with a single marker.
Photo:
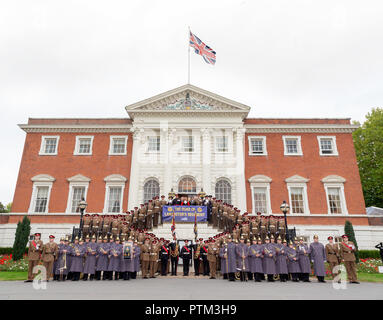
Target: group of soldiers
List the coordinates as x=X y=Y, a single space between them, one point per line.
x=247 y=259
x=248 y=247
x=223 y=216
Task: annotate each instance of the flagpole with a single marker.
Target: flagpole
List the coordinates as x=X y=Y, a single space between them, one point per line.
x=189 y=56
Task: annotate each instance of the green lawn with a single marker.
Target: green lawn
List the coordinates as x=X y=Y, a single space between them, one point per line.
x=13 y=275
x=17 y=275
x=366 y=277
x=370 y=277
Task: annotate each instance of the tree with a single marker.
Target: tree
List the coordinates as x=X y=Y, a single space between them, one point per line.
x=368 y=141
x=21 y=238
x=9 y=207
x=3 y=209
x=349 y=231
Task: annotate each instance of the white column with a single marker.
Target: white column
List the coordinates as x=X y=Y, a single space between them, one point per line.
x=135 y=168
x=167 y=137
x=206 y=160
x=240 y=169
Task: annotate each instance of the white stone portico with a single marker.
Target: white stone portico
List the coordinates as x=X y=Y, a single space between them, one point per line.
x=202 y=118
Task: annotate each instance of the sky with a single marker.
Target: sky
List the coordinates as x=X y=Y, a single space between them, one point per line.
x=296 y=58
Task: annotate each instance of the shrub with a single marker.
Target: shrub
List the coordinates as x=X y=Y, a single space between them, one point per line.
x=21 y=238
x=8 y=251
x=365 y=254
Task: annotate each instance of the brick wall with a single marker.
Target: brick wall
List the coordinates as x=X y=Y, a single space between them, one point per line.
x=65 y=165
x=311 y=165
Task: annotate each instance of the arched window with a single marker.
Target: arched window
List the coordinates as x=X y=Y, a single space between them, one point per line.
x=223 y=191
x=187 y=185
x=151 y=189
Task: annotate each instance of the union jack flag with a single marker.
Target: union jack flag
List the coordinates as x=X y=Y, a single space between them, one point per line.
x=202 y=49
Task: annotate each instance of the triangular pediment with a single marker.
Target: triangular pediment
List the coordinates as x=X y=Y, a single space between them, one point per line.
x=78 y=178
x=187 y=98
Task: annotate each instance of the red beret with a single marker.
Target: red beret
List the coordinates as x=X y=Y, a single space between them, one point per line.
x=330 y=238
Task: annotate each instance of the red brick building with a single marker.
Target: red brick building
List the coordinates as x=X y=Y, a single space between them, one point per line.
x=187 y=139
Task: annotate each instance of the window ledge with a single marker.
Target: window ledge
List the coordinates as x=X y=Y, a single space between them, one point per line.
x=329 y=155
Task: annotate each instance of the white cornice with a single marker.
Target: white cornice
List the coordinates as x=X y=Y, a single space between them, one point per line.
x=75 y=128
x=322 y=128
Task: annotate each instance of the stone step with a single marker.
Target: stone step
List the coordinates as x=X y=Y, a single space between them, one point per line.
x=185 y=231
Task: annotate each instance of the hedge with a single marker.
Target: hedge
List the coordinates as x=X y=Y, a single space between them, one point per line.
x=9 y=250
x=364 y=254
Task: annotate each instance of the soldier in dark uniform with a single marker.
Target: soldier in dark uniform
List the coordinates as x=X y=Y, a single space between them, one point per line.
x=186 y=255
x=205 y=262
x=174 y=256
x=164 y=256
x=176 y=201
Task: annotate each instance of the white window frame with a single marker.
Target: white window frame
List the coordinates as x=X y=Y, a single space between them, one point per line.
x=147 y=144
x=108 y=185
x=268 y=200
x=111 y=153
x=77 y=146
x=32 y=204
x=342 y=197
x=183 y=147
x=335 y=149
x=263 y=138
x=299 y=146
x=306 y=209
x=216 y=144
x=42 y=146
x=70 y=194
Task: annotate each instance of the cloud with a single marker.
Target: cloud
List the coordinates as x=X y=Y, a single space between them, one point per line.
x=91 y=58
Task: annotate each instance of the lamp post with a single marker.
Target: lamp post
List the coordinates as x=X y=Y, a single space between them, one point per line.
x=285 y=208
x=82 y=205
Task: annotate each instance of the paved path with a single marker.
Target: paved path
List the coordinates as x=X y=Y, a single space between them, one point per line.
x=180 y=289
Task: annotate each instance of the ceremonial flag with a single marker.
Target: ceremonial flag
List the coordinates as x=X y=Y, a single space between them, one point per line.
x=207 y=53
x=173 y=227
x=195 y=226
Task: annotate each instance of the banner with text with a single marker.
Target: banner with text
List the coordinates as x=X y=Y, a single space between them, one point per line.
x=184 y=213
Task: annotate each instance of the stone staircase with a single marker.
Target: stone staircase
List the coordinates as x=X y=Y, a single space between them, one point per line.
x=185 y=231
